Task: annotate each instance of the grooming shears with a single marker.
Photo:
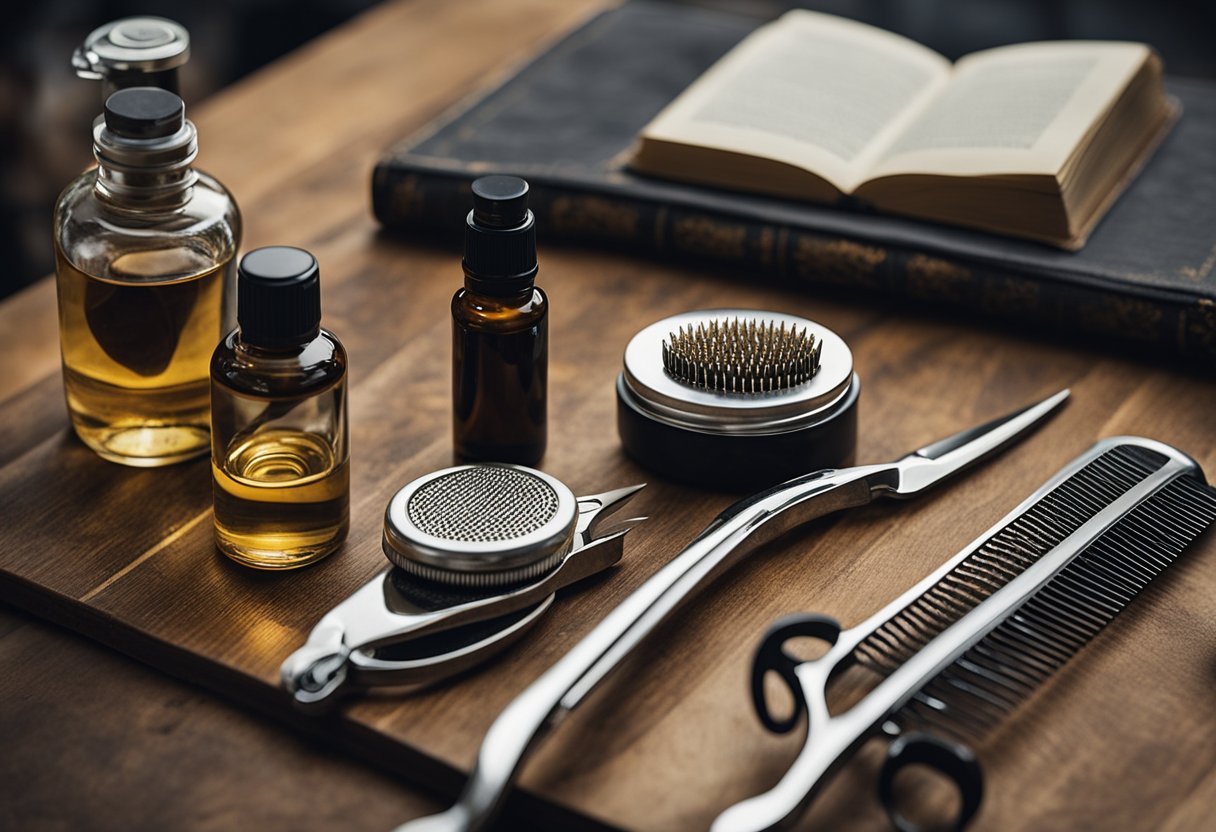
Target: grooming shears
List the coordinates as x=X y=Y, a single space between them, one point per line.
x=398 y=631
x=737 y=531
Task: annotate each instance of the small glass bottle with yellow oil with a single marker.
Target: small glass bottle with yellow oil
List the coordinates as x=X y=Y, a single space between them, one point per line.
x=144 y=247
x=279 y=446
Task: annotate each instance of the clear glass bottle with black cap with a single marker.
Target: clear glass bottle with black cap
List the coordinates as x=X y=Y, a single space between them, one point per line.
x=279 y=446
x=144 y=247
x=500 y=331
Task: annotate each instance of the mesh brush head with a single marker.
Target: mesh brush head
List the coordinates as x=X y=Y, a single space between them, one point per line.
x=480 y=525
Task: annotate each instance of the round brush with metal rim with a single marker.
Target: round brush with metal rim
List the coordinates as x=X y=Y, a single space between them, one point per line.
x=737 y=399
x=480 y=525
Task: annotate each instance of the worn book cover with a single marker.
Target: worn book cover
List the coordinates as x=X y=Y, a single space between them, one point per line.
x=568 y=120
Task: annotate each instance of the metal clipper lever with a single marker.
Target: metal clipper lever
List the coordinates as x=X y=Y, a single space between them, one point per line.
x=478 y=551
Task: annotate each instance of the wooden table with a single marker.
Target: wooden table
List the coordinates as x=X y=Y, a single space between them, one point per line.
x=1125 y=737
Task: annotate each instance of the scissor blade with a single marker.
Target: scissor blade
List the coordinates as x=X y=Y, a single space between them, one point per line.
x=594 y=508
x=612 y=500
x=933 y=463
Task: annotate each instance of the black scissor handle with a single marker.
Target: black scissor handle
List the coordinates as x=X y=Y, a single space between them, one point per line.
x=952 y=760
x=771 y=655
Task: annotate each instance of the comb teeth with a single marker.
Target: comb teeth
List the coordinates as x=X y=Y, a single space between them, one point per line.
x=1000 y=671
x=1006 y=555
x=742 y=356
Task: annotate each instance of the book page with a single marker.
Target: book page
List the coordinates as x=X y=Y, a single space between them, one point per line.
x=811 y=90
x=1016 y=110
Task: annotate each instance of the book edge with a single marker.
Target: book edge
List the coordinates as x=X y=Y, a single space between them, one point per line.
x=1173 y=112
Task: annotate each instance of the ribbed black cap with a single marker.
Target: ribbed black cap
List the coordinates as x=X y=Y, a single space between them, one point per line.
x=278 y=297
x=500 y=237
x=144 y=113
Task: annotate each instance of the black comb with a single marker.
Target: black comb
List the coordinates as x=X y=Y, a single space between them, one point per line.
x=992 y=678
x=1034 y=532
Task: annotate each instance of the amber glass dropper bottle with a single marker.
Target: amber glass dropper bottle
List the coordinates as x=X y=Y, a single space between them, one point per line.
x=279 y=446
x=500 y=331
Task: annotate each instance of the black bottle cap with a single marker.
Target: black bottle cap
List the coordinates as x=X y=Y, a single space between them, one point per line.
x=500 y=238
x=144 y=113
x=500 y=201
x=278 y=297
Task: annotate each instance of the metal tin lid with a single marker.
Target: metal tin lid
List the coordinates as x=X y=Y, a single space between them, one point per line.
x=477 y=525
x=679 y=404
x=132 y=44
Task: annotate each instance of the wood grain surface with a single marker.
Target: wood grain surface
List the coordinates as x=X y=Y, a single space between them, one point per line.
x=1123 y=738
x=96 y=741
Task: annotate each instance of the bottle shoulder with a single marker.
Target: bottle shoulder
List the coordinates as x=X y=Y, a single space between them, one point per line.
x=521 y=311
x=299 y=373
x=90 y=235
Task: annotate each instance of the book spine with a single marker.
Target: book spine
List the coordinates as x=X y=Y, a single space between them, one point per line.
x=436 y=201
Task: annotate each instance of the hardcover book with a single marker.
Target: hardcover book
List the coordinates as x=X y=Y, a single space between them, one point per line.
x=1033 y=140
x=570 y=120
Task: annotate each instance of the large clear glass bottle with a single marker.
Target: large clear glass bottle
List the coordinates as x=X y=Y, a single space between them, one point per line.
x=500 y=331
x=144 y=247
x=279 y=446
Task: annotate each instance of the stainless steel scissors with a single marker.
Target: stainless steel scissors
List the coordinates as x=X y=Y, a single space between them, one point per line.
x=737 y=531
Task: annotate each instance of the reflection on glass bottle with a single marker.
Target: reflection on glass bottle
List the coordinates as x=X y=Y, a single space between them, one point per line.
x=144 y=246
x=279 y=459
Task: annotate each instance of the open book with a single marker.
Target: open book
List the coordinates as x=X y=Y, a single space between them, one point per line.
x=1034 y=140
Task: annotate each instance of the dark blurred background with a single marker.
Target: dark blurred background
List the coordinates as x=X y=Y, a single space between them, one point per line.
x=46 y=112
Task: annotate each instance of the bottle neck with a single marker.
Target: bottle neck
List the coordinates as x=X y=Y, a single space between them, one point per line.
x=145 y=176
x=113 y=80
x=498 y=294
x=272 y=351
x=499 y=262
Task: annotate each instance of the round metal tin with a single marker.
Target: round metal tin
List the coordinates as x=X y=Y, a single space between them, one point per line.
x=736 y=441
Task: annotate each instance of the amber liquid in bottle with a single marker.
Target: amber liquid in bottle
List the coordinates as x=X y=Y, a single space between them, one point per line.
x=279 y=440
x=294 y=473
x=500 y=360
x=144 y=248
x=135 y=352
x=279 y=462
x=297 y=474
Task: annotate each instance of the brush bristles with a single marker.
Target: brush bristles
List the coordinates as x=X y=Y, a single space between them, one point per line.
x=742 y=356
